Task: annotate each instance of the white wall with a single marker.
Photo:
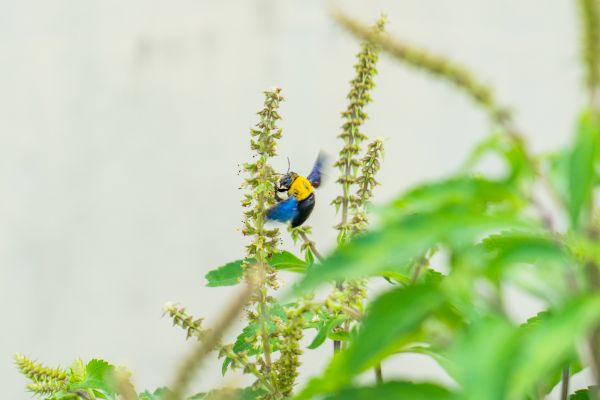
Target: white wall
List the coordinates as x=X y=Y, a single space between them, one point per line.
x=122 y=124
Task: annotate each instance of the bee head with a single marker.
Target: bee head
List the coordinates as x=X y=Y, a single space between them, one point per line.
x=286 y=181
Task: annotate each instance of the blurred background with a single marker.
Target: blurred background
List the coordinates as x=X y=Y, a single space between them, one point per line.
x=123 y=124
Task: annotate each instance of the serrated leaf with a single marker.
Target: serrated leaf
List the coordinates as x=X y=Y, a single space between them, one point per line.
x=550 y=343
x=231 y=273
x=394 y=390
x=581 y=170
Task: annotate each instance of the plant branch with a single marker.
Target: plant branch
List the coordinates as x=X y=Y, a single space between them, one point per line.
x=564 y=385
x=378 y=374
x=590 y=39
x=312 y=246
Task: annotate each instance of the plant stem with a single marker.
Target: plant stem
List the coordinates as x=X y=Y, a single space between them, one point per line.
x=378 y=374
x=266 y=343
x=422 y=262
x=312 y=246
x=564 y=386
x=252 y=368
x=194 y=359
x=594 y=338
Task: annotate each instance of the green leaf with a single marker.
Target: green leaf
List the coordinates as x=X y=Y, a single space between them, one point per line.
x=243 y=342
x=550 y=343
x=231 y=273
x=464 y=190
x=495 y=360
x=405 y=239
x=558 y=172
x=232 y=394
x=324 y=330
x=535 y=261
x=62 y=395
x=158 y=394
x=394 y=390
x=227 y=275
x=516 y=247
x=388 y=322
x=511 y=151
x=100 y=378
x=286 y=261
x=482 y=357
x=77 y=371
x=583 y=394
x=581 y=171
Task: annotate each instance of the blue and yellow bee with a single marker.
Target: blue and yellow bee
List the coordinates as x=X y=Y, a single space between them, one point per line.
x=301 y=197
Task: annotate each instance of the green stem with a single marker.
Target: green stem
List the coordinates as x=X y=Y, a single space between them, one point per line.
x=564 y=386
x=378 y=374
x=312 y=246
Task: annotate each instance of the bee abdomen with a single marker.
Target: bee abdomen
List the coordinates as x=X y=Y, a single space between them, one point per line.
x=305 y=208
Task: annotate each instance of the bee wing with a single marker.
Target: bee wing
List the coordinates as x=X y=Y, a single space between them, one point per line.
x=284 y=210
x=315 y=175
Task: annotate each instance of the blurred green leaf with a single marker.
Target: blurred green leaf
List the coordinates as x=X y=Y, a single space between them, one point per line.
x=583 y=394
x=512 y=152
x=407 y=238
x=493 y=359
x=513 y=247
x=454 y=213
x=535 y=261
x=549 y=342
x=324 y=330
x=231 y=273
x=394 y=390
x=558 y=171
x=469 y=191
x=482 y=357
x=230 y=394
x=387 y=322
x=581 y=170
x=62 y=395
x=158 y=394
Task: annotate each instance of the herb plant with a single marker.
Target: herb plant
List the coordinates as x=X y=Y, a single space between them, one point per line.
x=448 y=248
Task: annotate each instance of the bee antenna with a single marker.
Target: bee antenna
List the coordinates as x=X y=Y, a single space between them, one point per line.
x=288 y=165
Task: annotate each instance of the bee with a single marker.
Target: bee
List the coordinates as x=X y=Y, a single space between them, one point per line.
x=300 y=202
